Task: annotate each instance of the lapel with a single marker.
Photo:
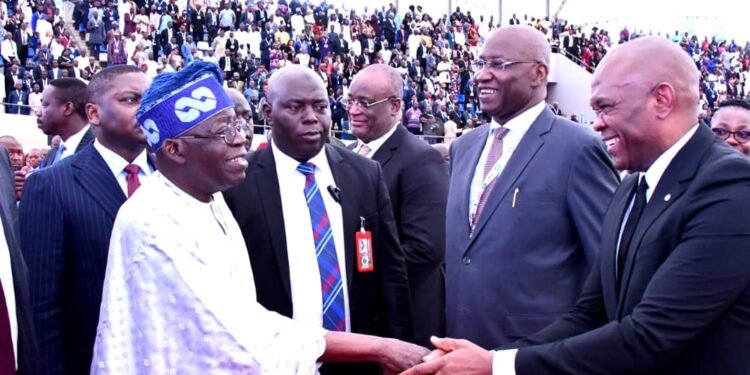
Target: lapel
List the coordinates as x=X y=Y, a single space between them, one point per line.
x=345 y=178
x=673 y=182
x=88 y=137
x=531 y=142
x=269 y=196
x=92 y=173
x=389 y=147
x=465 y=166
x=610 y=235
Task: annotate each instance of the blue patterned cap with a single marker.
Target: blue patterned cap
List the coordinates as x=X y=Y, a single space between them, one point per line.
x=177 y=102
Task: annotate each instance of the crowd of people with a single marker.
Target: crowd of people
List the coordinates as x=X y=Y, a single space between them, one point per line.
x=152 y=238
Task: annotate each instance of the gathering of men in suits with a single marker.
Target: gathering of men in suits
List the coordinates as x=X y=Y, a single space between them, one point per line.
x=671 y=289
x=154 y=238
x=67 y=213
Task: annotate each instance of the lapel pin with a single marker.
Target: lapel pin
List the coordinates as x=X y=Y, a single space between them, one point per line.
x=667 y=197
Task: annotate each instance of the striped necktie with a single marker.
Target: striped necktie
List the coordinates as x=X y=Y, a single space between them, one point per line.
x=325 y=250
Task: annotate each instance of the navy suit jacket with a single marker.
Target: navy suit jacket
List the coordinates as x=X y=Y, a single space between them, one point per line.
x=87 y=138
x=13 y=99
x=417 y=181
x=379 y=300
x=27 y=352
x=66 y=214
x=684 y=300
x=537 y=237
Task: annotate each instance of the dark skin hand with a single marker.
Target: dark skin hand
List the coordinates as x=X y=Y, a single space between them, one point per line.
x=453 y=356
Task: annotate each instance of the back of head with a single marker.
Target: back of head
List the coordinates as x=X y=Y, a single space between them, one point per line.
x=71 y=90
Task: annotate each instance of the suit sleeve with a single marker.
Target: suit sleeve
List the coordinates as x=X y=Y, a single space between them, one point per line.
x=591 y=184
x=389 y=254
x=42 y=240
x=423 y=201
x=700 y=279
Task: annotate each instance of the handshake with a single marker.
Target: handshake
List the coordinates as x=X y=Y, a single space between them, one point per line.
x=450 y=356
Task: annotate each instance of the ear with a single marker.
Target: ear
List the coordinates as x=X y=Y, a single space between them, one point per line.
x=664 y=97
x=267 y=110
x=68 y=109
x=92 y=112
x=174 y=150
x=540 y=74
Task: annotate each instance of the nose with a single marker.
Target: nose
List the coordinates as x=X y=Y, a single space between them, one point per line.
x=599 y=124
x=308 y=114
x=732 y=141
x=481 y=75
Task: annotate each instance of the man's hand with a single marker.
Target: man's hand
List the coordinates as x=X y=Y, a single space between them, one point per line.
x=20 y=178
x=396 y=356
x=454 y=357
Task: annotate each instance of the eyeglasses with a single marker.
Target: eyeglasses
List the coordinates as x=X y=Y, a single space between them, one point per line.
x=349 y=103
x=480 y=64
x=742 y=136
x=228 y=133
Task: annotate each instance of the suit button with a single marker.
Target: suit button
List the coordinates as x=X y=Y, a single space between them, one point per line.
x=467 y=261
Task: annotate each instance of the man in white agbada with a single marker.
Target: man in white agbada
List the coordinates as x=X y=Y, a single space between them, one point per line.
x=179 y=295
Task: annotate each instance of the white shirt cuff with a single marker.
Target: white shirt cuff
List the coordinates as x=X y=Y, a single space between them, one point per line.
x=504 y=362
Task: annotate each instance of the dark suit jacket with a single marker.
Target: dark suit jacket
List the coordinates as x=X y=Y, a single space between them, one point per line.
x=27 y=351
x=13 y=99
x=378 y=300
x=66 y=216
x=527 y=260
x=87 y=138
x=417 y=181
x=685 y=295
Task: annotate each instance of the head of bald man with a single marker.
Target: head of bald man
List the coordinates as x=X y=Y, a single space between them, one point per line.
x=244 y=112
x=511 y=75
x=374 y=103
x=297 y=107
x=642 y=111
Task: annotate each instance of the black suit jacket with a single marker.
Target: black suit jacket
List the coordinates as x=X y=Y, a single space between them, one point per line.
x=66 y=215
x=28 y=354
x=684 y=300
x=87 y=138
x=417 y=180
x=378 y=300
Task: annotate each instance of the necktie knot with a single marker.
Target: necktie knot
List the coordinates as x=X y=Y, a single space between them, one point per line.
x=132 y=169
x=501 y=132
x=306 y=169
x=364 y=150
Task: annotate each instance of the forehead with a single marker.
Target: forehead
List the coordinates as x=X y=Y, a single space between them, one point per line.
x=302 y=88
x=732 y=115
x=127 y=83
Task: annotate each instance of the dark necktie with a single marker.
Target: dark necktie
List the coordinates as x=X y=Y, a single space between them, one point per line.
x=631 y=224
x=7 y=359
x=496 y=151
x=131 y=176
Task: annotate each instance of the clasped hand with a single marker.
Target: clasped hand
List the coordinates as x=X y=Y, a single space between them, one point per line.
x=455 y=357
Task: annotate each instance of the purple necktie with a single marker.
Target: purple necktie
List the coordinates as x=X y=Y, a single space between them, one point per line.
x=496 y=151
x=7 y=358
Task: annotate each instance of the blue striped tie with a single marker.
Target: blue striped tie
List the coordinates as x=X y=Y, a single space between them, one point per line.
x=325 y=250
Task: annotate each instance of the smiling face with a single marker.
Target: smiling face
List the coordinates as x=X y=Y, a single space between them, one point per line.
x=506 y=92
x=733 y=119
x=299 y=112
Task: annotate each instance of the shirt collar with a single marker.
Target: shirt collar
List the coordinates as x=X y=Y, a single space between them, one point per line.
x=117 y=164
x=71 y=144
x=377 y=143
x=287 y=164
x=522 y=122
x=656 y=170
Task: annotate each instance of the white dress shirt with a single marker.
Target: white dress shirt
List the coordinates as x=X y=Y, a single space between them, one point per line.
x=71 y=144
x=375 y=144
x=304 y=274
x=117 y=165
x=503 y=361
x=179 y=296
x=517 y=128
x=6 y=276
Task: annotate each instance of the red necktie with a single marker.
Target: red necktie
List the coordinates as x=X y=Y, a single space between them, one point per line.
x=7 y=358
x=131 y=177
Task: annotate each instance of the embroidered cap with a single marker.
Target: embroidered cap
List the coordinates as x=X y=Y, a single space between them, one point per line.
x=177 y=102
